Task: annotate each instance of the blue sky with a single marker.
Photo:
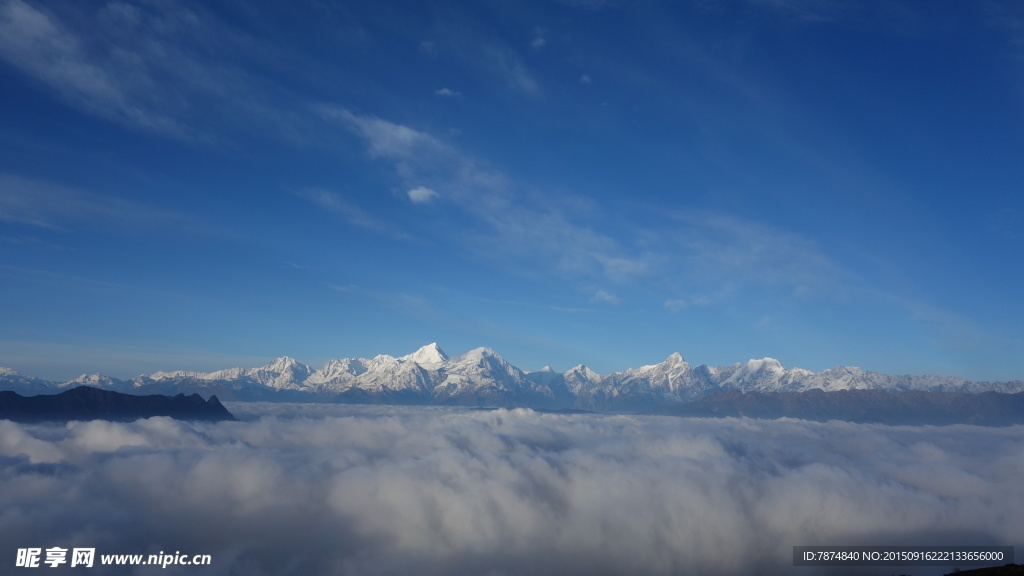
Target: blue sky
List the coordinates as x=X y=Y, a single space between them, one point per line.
x=190 y=185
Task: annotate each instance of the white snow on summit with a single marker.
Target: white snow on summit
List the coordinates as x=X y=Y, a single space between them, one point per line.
x=429 y=356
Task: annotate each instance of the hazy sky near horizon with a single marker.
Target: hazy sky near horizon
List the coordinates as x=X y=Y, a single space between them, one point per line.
x=199 y=185
x=375 y=490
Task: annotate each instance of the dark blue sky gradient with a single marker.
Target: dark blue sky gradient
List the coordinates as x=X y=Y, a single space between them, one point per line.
x=201 y=185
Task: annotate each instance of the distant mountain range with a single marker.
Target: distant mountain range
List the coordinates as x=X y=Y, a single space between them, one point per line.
x=481 y=377
x=913 y=407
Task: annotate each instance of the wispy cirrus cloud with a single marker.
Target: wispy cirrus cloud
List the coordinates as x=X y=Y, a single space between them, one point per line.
x=681 y=251
x=605 y=297
x=351 y=212
x=508 y=66
x=159 y=68
x=809 y=10
x=705 y=245
x=503 y=223
x=539 y=38
x=590 y=4
x=729 y=246
x=102 y=80
x=1008 y=17
x=459 y=37
x=55 y=207
x=388 y=139
x=680 y=304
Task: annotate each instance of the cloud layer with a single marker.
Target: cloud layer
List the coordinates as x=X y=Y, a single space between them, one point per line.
x=323 y=489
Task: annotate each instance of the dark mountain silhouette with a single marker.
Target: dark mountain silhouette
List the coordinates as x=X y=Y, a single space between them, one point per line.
x=867 y=406
x=88 y=403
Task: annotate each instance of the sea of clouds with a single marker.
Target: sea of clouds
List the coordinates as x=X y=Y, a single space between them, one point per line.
x=335 y=489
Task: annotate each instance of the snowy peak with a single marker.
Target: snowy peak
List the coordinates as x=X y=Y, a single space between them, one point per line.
x=760 y=372
x=481 y=352
x=430 y=356
x=345 y=367
x=670 y=381
x=481 y=360
x=581 y=368
x=89 y=380
x=545 y=376
x=181 y=374
x=480 y=375
x=282 y=365
x=583 y=373
x=765 y=367
x=766 y=362
x=674 y=363
x=282 y=373
x=580 y=378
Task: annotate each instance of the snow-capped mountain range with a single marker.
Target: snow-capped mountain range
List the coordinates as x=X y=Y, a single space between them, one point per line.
x=481 y=377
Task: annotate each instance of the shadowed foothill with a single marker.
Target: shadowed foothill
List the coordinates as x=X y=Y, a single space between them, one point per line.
x=88 y=403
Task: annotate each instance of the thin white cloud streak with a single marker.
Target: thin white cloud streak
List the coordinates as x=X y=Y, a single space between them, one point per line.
x=740 y=250
x=680 y=304
x=808 y=10
x=409 y=305
x=356 y=216
x=1009 y=19
x=507 y=64
x=606 y=297
x=590 y=4
x=332 y=489
x=572 y=310
x=539 y=38
x=390 y=140
x=55 y=207
x=460 y=37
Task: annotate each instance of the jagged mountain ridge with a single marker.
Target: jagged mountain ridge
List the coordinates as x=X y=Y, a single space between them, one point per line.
x=91 y=403
x=481 y=377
